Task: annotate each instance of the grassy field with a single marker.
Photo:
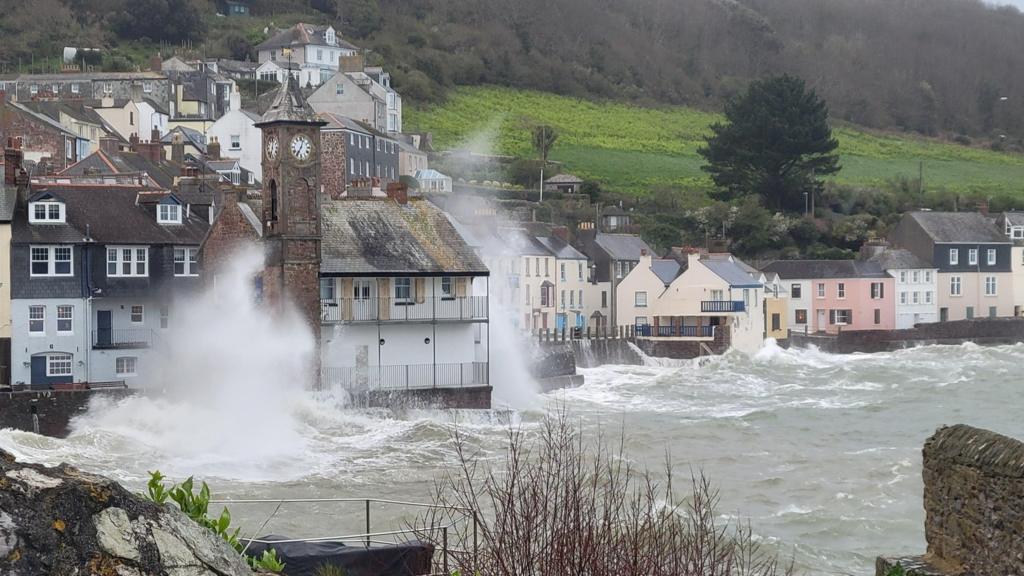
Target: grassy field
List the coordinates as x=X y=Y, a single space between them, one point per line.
x=636 y=149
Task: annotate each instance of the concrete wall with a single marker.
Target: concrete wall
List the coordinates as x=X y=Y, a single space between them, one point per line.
x=973 y=487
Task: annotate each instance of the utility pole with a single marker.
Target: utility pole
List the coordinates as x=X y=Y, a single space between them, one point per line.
x=543 y=158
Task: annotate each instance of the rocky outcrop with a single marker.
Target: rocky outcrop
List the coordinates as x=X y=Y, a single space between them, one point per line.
x=63 y=522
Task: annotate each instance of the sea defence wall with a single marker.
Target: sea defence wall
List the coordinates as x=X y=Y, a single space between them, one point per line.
x=985 y=331
x=974 y=505
x=49 y=412
x=467 y=397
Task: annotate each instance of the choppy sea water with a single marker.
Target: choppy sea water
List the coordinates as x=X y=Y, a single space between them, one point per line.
x=821 y=452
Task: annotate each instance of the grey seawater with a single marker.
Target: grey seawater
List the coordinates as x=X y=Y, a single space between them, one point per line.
x=821 y=452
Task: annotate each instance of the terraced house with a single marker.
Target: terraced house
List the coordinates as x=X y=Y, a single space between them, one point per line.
x=96 y=273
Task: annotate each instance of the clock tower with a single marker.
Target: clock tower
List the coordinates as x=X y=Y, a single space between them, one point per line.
x=291 y=206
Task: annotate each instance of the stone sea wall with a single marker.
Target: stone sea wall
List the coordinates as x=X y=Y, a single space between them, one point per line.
x=974 y=505
x=988 y=331
x=49 y=410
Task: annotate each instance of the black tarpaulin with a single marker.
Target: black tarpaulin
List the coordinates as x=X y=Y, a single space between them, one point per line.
x=303 y=558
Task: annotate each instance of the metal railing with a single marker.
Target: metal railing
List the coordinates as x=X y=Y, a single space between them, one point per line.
x=441 y=308
x=722 y=306
x=406 y=376
x=461 y=521
x=672 y=331
x=108 y=338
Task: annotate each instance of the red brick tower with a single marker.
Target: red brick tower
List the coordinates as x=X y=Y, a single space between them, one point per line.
x=291 y=205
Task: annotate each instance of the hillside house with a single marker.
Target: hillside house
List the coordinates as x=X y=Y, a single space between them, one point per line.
x=360 y=92
x=314 y=50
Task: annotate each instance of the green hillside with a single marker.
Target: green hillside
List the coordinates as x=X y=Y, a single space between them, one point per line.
x=635 y=149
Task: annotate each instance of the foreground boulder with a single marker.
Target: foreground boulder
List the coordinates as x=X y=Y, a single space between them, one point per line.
x=63 y=522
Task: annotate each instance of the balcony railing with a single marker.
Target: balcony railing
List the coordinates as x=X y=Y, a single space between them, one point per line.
x=722 y=306
x=407 y=376
x=671 y=331
x=470 y=308
x=108 y=338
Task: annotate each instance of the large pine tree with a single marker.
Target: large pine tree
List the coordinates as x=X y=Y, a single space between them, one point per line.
x=775 y=143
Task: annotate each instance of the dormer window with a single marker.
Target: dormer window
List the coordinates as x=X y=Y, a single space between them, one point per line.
x=329 y=36
x=46 y=211
x=169 y=214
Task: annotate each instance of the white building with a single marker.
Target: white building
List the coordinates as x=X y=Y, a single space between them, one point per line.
x=315 y=50
x=916 y=287
x=239 y=137
x=432 y=181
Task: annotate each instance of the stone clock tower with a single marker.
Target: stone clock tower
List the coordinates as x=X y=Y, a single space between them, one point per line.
x=291 y=206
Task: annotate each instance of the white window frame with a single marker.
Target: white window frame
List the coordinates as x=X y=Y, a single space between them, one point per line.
x=407 y=286
x=640 y=299
x=40 y=311
x=972 y=257
x=59 y=359
x=841 y=290
x=928 y=297
x=74 y=88
x=928 y=276
x=903 y=276
x=137 y=310
x=991 y=287
x=236 y=141
x=903 y=297
x=53 y=212
x=955 y=286
x=990 y=256
x=954 y=256
x=51 y=260
x=821 y=289
x=169 y=213
x=877 y=290
x=916 y=297
x=66 y=313
x=147 y=86
x=132 y=262
x=189 y=260
x=1017 y=233
x=447 y=287
x=123 y=363
x=33 y=89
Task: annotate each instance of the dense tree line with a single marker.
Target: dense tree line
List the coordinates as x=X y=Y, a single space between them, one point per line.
x=931 y=66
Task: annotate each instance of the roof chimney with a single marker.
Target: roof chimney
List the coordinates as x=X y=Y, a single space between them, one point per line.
x=353 y=63
x=213 y=149
x=561 y=232
x=235 y=99
x=177 y=149
x=154 y=135
x=399 y=192
x=12 y=161
x=983 y=206
x=109 y=145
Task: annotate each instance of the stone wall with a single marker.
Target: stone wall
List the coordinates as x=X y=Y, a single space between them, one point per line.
x=974 y=505
x=468 y=397
x=230 y=232
x=50 y=410
x=687 y=349
x=991 y=331
x=334 y=163
x=596 y=352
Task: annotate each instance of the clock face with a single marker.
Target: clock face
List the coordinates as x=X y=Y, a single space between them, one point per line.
x=272 y=148
x=301 y=147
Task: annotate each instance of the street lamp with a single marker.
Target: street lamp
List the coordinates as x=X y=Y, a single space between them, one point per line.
x=805 y=203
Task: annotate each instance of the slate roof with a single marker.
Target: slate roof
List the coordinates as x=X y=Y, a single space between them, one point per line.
x=898 y=259
x=339 y=122
x=107 y=215
x=959 y=227
x=8 y=198
x=622 y=246
x=811 y=269
x=193 y=137
x=738 y=276
x=1014 y=218
x=289 y=105
x=378 y=236
x=564 y=179
x=300 y=35
x=76 y=110
x=560 y=248
x=92 y=76
x=101 y=162
x=666 y=269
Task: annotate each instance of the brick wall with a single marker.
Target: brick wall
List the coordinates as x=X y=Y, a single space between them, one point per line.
x=334 y=162
x=973 y=487
x=38 y=138
x=229 y=233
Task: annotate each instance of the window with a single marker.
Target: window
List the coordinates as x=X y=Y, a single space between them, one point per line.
x=546 y=295
x=50 y=261
x=320 y=54
x=903 y=276
x=403 y=290
x=127 y=262
x=339 y=89
x=954 y=285
x=138 y=314
x=351 y=139
x=58 y=365
x=604 y=298
x=236 y=141
x=147 y=87
x=840 y=316
x=903 y=297
x=1018 y=233
x=916 y=276
x=801 y=316
x=186 y=261
x=776 y=322
x=928 y=276
x=991 y=311
x=547 y=268
x=447 y=288
x=928 y=297
x=970 y=312
x=46 y=211
x=169 y=214
x=916 y=297
x=640 y=321
x=746 y=297
x=878 y=316
x=165 y=316
x=561 y=271
x=327 y=286
x=954 y=257
x=108 y=88
x=990 y=257
x=821 y=290
x=640 y=299
x=36 y=319
x=367 y=173
x=378 y=146
x=536 y=266
x=33 y=89
x=795 y=291
x=65 y=319
x=131 y=118
x=841 y=291
x=351 y=166
x=579 y=270
x=68 y=149
x=563 y=299
x=877 y=290
x=580 y=299
x=972 y=256
x=74 y=88
x=990 y=285
x=126 y=365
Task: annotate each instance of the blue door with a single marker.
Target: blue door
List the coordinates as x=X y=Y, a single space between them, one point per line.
x=39 y=371
x=560 y=322
x=579 y=320
x=103 y=329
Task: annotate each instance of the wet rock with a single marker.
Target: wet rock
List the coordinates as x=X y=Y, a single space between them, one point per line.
x=61 y=521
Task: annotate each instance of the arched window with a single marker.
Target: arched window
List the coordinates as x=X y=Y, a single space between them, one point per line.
x=273 y=201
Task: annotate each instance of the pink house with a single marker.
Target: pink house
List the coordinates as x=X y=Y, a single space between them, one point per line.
x=837 y=295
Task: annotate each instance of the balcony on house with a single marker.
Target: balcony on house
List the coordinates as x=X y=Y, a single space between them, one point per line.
x=722 y=306
x=437 y=309
x=676 y=331
x=122 y=338
x=406 y=376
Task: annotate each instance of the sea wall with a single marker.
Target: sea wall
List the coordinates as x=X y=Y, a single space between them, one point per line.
x=591 y=353
x=49 y=410
x=468 y=397
x=988 y=331
x=973 y=494
x=687 y=349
